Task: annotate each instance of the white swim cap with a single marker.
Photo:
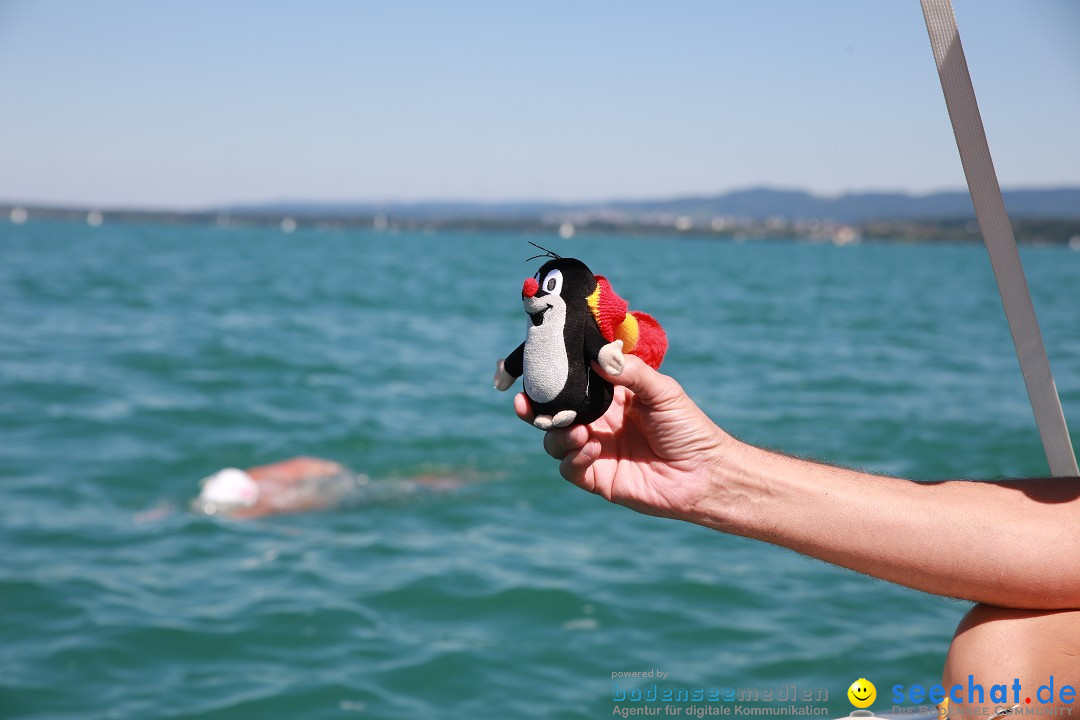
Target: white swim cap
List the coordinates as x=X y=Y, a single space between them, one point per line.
x=229 y=487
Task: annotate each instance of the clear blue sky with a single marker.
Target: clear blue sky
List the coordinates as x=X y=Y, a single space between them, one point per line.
x=186 y=104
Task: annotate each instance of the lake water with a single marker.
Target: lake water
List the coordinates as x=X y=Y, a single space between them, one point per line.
x=135 y=360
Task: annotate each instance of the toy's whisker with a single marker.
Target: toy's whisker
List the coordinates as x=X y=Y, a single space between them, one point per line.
x=547 y=253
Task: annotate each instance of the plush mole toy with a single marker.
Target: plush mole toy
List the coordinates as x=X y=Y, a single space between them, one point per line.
x=575 y=318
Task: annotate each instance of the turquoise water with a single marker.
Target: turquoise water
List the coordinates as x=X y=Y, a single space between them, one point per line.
x=135 y=360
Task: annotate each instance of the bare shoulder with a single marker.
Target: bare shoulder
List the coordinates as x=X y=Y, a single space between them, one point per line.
x=296 y=469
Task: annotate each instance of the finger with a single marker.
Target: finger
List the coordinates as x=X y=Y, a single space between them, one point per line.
x=558 y=443
x=523 y=408
x=648 y=385
x=575 y=466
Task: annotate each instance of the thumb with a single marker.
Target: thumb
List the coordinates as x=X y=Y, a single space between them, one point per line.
x=648 y=385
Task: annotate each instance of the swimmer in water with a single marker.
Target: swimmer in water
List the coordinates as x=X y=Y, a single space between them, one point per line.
x=301 y=484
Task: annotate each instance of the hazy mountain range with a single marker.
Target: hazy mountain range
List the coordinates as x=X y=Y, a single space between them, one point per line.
x=750 y=204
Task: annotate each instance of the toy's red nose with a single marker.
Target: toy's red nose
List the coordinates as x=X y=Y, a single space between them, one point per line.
x=530 y=287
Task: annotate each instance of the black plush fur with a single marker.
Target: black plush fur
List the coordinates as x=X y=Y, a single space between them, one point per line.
x=584 y=392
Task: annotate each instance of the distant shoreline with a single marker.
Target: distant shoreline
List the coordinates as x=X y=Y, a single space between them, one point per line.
x=1029 y=230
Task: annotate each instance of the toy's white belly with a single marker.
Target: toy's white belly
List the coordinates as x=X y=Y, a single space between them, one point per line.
x=545 y=366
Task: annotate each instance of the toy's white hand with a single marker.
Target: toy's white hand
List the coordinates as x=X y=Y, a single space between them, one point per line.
x=611 y=358
x=503 y=379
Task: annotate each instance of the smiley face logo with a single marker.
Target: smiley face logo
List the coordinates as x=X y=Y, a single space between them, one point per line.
x=862 y=693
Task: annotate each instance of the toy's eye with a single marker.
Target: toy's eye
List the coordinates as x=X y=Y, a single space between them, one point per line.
x=552 y=282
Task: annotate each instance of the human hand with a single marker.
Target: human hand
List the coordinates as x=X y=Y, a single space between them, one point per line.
x=653 y=451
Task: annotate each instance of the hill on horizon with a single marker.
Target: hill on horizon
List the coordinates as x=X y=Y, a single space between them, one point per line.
x=752 y=204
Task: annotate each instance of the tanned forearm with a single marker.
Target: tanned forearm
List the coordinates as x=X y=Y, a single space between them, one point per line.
x=1011 y=543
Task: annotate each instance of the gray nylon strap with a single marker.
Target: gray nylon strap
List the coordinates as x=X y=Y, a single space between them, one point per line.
x=998 y=235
